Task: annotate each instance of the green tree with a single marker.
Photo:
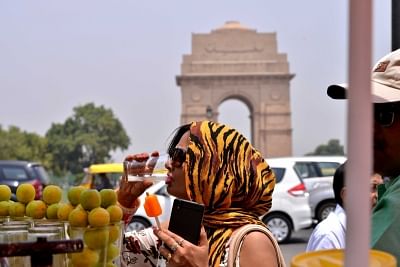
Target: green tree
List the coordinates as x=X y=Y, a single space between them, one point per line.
x=332 y=148
x=87 y=137
x=21 y=145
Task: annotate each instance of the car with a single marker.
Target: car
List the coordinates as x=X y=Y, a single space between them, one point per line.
x=16 y=172
x=317 y=174
x=290 y=211
x=102 y=176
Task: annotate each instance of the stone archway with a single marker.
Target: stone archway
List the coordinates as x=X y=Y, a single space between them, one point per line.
x=236 y=62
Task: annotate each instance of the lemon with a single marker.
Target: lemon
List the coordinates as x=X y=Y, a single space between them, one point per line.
x=90 y=199
x=96 y=238
x=74 y=194
x=115 y=233
x=78 y=218
x=98 y=217
x=5 y=192
x=86 y=258
x=52 y=194
x=4 y=205
x=51 y=212
x=112 y=252
x=115 y=212
x=108 y=197
x=16 y=209
x=36 y=209
x=25 y=193
x=63 y=211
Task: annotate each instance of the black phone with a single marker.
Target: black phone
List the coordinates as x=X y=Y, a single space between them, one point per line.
x=186 y=219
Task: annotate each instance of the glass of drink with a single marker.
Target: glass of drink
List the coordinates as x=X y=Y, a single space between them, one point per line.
x=153 y=169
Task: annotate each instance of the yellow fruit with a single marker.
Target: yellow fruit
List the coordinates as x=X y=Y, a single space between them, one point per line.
x=115 y=233
x=108 y=197
x=98 y=217
x=36 y=209
x=16 y=209
x=86 y=258
x=25 y=193
x=78 y=218
x=52 y=194
x=63 y=211
x=90 y=199
x=52 y=210
x=5 y=192
x=115 y=213
x=112 y=252
x=4 y=205
x=74 y=194
x=96 y=238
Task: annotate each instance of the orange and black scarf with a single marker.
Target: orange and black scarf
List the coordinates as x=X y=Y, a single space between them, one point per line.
x=230 y=177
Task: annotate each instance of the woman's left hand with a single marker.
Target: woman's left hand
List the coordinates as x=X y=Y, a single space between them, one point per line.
x=180 y=252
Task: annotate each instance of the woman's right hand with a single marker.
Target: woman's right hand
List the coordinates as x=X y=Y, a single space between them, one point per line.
x=128 y=192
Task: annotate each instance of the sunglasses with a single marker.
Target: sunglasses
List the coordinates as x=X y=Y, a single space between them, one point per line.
x=177 y=155
x=384 y=114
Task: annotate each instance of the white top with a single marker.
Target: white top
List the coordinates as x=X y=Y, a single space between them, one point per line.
x=329 y=233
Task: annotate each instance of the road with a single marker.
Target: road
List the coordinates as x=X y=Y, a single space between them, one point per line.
x=297 y=244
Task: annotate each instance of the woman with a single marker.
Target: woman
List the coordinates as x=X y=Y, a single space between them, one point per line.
x=214 y=165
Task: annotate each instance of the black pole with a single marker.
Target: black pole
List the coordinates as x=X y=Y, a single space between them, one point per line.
x=395 y=24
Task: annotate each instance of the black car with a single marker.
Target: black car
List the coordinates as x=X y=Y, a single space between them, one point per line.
x=16 y=172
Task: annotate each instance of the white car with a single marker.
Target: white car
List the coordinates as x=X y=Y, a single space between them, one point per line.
x=290 y=207
x=317 y=174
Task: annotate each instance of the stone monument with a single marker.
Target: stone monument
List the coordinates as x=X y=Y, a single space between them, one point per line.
x=235 y=62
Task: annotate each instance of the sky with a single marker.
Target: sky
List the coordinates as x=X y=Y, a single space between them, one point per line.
x=125 y=55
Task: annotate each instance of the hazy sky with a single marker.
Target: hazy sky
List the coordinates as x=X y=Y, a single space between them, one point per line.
x=56 y=55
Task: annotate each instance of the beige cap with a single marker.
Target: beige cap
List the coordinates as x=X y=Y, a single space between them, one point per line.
x=385 y=81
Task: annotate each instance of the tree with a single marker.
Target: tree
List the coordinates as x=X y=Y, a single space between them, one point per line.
x=87 y=137
x=21 y=145
x=332 y=148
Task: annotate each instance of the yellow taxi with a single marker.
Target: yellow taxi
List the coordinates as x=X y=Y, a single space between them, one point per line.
x=100 y=176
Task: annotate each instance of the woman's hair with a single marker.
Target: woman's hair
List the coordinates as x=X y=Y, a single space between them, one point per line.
x=177 y=136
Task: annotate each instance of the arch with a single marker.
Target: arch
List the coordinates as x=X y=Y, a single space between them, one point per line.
x=234 y=62
x=235 y=112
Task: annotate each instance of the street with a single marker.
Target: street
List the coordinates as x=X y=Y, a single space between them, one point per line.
x=297 y=244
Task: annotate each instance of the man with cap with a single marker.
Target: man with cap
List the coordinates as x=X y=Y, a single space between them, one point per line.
x=385 y=84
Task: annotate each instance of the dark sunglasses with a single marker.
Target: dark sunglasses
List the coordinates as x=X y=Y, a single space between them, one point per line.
x=384 y=114
x=177 y=155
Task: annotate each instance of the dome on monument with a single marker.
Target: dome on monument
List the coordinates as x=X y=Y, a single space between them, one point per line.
x=233 y=25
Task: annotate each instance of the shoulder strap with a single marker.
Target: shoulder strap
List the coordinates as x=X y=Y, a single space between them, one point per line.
x=239 y=234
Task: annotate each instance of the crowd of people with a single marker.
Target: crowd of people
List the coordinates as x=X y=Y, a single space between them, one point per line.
x=214 y=165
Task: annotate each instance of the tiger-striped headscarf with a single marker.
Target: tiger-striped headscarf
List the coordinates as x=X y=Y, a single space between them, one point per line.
x=230 y=177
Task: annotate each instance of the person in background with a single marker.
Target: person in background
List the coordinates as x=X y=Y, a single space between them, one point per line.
x=385 y=84
x=376 y=180
x=102 y=181
x=212 y=164
x=330 y=233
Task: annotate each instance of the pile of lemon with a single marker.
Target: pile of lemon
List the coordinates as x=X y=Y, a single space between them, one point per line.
x=94 y=215
x=97 y=219
x=26 y=205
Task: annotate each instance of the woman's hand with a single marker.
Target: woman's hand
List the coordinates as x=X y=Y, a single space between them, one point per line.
x=180 y=252
x=128 y=192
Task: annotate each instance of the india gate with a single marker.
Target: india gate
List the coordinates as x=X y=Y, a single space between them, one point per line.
x=235 y=62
